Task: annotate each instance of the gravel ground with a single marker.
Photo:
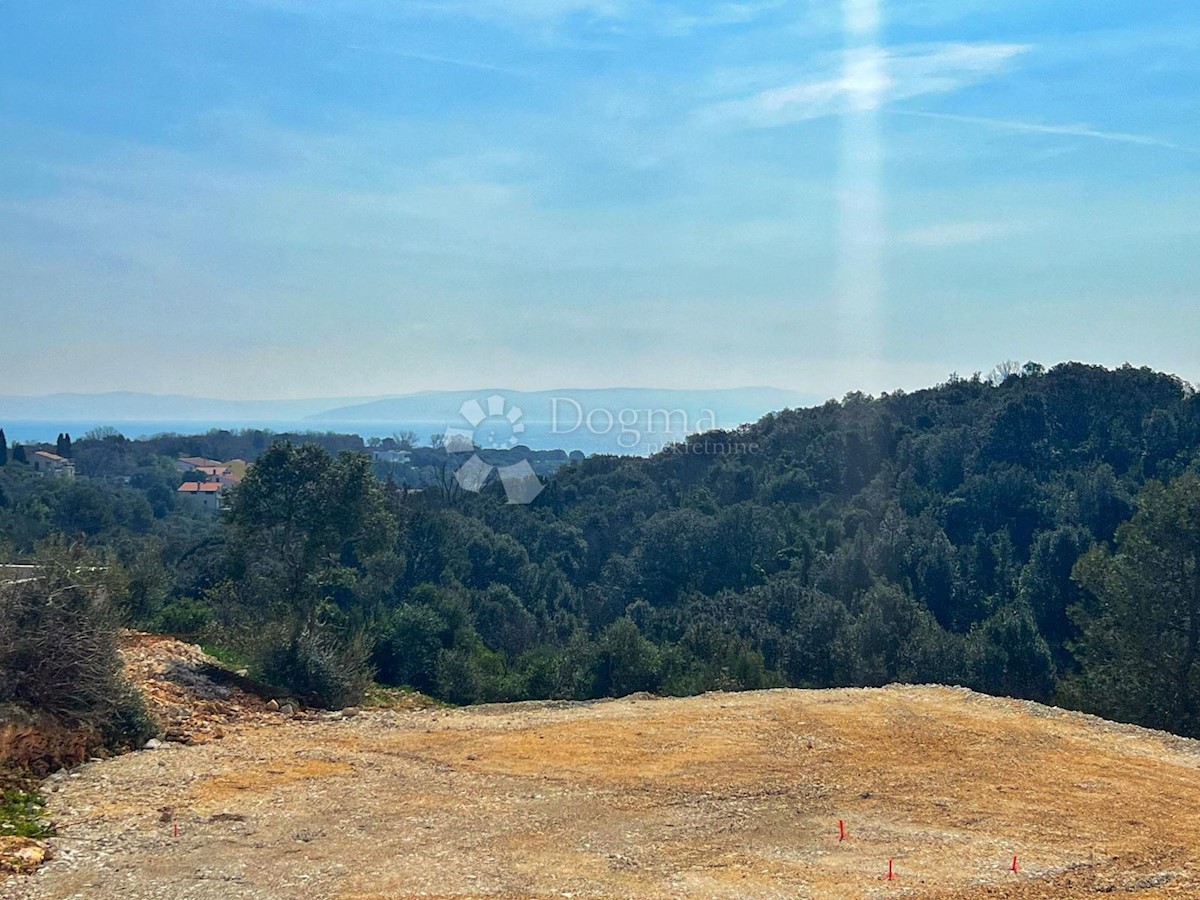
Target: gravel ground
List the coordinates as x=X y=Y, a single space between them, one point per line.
x=725 y=795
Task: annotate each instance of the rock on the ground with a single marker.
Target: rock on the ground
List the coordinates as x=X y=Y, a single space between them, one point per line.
x=20 y=856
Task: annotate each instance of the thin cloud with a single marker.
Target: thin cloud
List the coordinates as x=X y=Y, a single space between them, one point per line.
x=953 y=234
x=886 y=76
x=549 y=9
x=722 y=15
x=546 y=20
x=389 y=9
x=1084 y=131
x=862 y=16
x=436 y=59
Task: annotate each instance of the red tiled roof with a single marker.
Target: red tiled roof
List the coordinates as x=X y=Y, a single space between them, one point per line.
x=46 y=454
x=200 y=461
x=202 y=487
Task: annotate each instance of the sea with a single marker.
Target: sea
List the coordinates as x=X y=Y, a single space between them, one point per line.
x=598 y=438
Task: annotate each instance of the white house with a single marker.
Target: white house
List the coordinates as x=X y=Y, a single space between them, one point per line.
x=46 y=463
x=393 y=457
x=205 y=494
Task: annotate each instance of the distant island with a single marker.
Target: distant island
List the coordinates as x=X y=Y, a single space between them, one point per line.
x=627 y=421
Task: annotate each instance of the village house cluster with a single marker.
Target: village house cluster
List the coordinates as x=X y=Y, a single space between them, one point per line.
x=208 y=480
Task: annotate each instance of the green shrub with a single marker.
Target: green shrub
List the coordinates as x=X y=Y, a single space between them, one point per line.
x=184 y=617
x=129 y=723
x=58 y=649
x=321 y=666
x=23 y=814
x=408 y=647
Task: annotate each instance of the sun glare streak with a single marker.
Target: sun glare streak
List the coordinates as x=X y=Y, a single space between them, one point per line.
x=860 y=191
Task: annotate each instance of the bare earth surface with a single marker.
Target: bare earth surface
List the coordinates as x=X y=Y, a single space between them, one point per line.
x=725 y=795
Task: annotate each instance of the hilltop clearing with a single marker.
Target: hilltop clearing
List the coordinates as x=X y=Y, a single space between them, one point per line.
x=722 y=795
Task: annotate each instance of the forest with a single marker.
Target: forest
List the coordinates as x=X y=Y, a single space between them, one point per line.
x=1034 y=534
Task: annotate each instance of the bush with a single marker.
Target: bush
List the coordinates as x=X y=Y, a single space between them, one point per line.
x=58 y=649
x=408 y=647
x=23 y=814
x=625 y=662
x=183 y=617
x=129 y=723
x=458 y=678
x=471 y=673
x=322 y=667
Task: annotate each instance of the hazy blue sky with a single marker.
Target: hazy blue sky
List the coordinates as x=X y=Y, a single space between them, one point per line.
x=284 y=198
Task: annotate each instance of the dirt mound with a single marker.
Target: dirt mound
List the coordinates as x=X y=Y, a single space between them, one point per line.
x=725 y=795
x=193 y=697
x=37 y=743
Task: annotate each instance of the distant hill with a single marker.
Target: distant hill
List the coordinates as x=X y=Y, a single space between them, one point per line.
x=127 y=406
x=730 y=407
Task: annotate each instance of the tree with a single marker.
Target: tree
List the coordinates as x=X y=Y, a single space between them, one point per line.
x=102 y=433
x=85 y=509
x=313 y=543
x=3 y=448
x=1010 y=657
x=1003 y=371
x=62 y=446
x=1046 y=588
x=409 y=643
x=305 y=524
x=18 y=454
x=625 y=661
x=1139 y=649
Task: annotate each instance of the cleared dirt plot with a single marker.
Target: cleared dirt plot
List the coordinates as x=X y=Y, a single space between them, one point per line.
x=724 y=795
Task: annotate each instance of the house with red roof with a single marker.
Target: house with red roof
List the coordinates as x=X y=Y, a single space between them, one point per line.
x=194 y=463
x=205 y=494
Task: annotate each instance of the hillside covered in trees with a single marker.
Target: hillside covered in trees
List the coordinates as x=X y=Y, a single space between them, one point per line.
x=1034 y=535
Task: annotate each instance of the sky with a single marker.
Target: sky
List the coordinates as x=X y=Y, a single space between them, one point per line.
x=296 y=198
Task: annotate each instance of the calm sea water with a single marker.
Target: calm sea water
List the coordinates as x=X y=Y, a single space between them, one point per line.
x=538 y=436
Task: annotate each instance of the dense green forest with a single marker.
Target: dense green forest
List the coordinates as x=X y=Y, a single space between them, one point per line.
x=1033 y=535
